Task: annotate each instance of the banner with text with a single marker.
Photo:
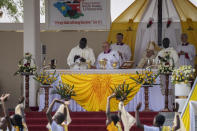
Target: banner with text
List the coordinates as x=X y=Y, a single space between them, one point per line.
x=79 y=14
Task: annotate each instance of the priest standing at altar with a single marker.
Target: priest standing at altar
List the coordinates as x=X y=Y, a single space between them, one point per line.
x=186 y=51
x=80 y=56
x=108 y=59
x=123 y=49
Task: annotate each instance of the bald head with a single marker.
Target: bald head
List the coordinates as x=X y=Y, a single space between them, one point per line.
x=106 y=46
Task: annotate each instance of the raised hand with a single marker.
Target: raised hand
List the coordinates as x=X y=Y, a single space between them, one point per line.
x=4 y=97
x=112 y=95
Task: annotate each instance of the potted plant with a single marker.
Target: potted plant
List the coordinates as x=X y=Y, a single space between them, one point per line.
x=122 y=91
x=66 y=91
x=26 y=66
x=46 y=79
x=147 y=79
x=181 y=78
x=166 y=64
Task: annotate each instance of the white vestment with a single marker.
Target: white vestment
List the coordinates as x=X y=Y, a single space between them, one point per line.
x=147 y=61
x=87 y=53
x=124 y=49
x=173 y=55
x=191 y=52
x=127 y=119
x=111 y=57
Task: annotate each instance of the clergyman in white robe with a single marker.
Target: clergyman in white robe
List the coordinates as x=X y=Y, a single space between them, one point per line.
x=110 y=57
x=188 y=57
x=149 y=56
x=124 y=49
x=173 y=55
x=86 y=53
x=186 y=51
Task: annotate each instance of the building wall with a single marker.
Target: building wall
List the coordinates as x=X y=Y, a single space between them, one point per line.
x=58 y=46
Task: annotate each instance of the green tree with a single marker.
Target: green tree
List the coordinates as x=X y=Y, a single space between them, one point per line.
x=14 y=9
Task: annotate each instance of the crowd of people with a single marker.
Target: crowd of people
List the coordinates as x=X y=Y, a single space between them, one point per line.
x=61 y=119
x=115 y=55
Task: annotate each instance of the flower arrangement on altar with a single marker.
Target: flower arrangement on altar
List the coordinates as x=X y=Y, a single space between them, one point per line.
x=183 y=74
x=122 y=91
x=146 y=77
x=26 y=65
x=66 y=91
x=166 y=64
x=46 y=78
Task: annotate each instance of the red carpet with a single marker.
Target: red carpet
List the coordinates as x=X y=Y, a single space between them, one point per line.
x=82 y=121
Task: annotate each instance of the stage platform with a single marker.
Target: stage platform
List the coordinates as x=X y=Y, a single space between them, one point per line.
x=82 y=121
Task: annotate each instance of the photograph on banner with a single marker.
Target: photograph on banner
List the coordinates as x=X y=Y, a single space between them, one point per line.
x=79 y=14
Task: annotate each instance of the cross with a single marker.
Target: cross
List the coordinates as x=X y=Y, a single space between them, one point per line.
x=160 y=22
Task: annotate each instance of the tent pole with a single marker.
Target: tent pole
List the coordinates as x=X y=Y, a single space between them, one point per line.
x=160 y=22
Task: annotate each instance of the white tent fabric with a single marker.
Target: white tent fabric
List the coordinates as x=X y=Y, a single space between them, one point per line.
x=144 y=34
x=168 y=11
x=193 y=113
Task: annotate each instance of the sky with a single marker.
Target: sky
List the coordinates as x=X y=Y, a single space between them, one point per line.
x=117 y=7
x=124 y=4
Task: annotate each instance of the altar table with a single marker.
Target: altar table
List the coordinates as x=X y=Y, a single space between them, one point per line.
x=156 y=99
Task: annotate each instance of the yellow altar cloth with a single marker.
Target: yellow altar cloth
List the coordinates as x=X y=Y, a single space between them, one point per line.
x=92 y=90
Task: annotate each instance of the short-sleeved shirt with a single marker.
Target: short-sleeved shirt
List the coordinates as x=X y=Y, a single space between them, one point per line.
x=151 y=128
x=56 y=127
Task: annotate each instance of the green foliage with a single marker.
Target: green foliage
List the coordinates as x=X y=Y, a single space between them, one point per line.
x=122 y=91
x=65 y=91
x=9 y=5
x=26 y=65
x=14 y=9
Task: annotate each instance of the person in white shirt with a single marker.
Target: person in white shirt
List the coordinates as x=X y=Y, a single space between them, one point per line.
x=108 y=59
x=157 y=122
x=56 y=122
x=186 y=51
x=82 y=52
x=123 y=49
x=174 y=59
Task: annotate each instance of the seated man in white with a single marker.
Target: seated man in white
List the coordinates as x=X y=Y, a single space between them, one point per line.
x=186 y=51
x=108 y=59
x=172 y=53
x=123 y=49
x=149 y=56
x=83 y=53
